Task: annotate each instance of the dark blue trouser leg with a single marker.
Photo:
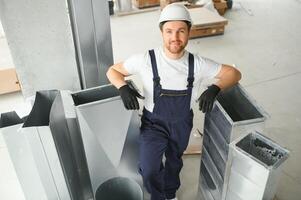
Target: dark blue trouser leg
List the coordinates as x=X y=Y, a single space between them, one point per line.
x=152 y=147
x=173 y=166
x=178 y=142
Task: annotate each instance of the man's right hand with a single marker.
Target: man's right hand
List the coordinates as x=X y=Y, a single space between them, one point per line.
x=129 y=97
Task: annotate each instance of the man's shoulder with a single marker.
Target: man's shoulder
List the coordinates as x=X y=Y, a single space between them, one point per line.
x=197 y=56
x=202 y=59
x=137 y=62
x=145 y=53
x=139 y=57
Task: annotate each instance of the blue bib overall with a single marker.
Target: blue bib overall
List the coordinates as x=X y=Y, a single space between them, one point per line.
x=166 y=130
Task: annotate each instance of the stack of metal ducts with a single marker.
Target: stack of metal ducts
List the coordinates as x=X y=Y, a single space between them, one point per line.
x=233 y=115
x=79 y=146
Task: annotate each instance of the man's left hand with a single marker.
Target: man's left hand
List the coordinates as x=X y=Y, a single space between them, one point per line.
x=207 y=98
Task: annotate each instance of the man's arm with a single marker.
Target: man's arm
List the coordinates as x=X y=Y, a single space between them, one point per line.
x=227 y=77
x=116 y=74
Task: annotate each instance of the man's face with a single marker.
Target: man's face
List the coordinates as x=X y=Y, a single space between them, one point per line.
x=175 y=36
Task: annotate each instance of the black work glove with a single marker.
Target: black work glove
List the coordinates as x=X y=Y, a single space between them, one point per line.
x=129 y=97
x=207 y=98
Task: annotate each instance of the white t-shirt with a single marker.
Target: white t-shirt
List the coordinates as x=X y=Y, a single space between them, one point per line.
x=173 y=73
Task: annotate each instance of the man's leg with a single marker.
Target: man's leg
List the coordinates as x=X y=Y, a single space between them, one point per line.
x=152 y=147
x=178 y=142
x=173 y=166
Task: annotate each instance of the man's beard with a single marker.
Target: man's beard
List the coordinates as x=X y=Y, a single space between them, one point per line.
x=175 y=49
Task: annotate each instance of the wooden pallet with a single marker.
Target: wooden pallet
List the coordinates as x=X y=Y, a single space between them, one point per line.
x=195 y=144
x=207 y=31
x=146 y=3
x=9 y=81
x=206 y=23
x=191 y=5
x=193 y=149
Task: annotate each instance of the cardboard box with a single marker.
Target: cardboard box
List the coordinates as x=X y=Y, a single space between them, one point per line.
x=221 y=11
x=221 y=7
x=206 y=23
x=146 y=3
x=9 y=81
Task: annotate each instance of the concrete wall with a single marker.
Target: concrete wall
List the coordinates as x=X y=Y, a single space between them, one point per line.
x=41 y=43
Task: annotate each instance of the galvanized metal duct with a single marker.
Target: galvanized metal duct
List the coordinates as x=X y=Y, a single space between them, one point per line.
x=34 y=154
x=91 y=150
x=110 y=137
x=20 y=153
x=119 y=188
x=67 y=138
x=9 y=119
x=39 y=115
x=234 y=114
x=90 y=23
x=256 y=165
x=124 y=5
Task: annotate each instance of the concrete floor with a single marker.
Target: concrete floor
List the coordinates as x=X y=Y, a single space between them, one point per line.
x=263 y=40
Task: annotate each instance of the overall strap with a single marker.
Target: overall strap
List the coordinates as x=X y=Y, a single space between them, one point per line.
x=156 y=78
x=190 y=78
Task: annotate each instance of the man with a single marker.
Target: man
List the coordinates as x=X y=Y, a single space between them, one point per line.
x=171 y=79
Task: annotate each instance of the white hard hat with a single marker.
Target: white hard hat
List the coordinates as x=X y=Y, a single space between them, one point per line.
x=175 y=12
